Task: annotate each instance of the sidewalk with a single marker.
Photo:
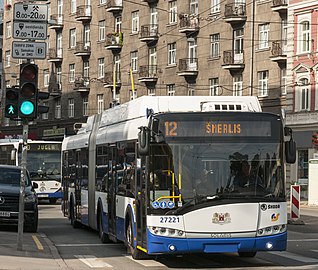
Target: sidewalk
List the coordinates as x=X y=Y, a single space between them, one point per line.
x=38 y=252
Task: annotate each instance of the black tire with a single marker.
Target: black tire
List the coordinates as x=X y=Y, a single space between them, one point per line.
x=104 y=238
x=74 y=222
x=32 y=225
x=135 y=253
x=53 y=200
x=247 y=254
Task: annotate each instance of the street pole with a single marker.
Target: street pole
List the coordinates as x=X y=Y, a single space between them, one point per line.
x=22 y=184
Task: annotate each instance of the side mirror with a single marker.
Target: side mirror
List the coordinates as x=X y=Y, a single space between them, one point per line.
x=35 y=185
x=143 y=141
x=290 y=151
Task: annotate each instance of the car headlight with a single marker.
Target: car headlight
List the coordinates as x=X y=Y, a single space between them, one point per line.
x=29 y=198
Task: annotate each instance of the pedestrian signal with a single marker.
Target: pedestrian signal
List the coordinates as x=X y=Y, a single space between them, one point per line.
x=12 y=99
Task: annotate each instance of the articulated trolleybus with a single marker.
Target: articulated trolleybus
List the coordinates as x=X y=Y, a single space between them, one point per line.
x=165 y=176
x=43 y=163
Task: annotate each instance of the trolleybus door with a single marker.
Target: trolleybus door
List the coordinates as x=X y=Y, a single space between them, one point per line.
x=65 y=183
x=78 y=182
x=111 y=194
x=141 y=205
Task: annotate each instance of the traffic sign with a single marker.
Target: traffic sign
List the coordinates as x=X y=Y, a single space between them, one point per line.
x=30 y=30
x=30 y=12
x=28 y=50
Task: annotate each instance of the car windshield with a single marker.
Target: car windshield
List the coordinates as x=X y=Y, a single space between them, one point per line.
x=9 y=176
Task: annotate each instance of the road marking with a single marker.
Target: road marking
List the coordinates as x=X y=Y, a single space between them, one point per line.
x=302 y=240
x=146 y=263
x=295 y=257
x=93 y=261
x=84 y=245
x=37 y=242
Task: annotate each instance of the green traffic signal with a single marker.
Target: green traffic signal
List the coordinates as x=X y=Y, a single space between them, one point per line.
x=27 y=108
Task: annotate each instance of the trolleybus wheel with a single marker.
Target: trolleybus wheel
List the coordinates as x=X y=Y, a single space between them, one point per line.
x=247 y=254
x=135 y=253
x=102 y=235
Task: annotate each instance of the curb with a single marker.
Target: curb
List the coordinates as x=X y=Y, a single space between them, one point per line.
x=55 y=254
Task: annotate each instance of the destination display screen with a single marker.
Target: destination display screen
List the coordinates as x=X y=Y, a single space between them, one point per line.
x=44 y=147
x=212 y=128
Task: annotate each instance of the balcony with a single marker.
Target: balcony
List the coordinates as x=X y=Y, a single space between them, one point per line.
x=188 y=67
x=82 y=49
x=55 y=55
x=189 y=23
x=148 y=74
x=114 y=41
x=114 y=6
x=149 y=33
x=150 y=2
x=55 y=89
x=81 y=84
x=278 y=51
x=233 y=60
x=56 y=21
x=235 y=13
x=280 y=5
x=83 y=13
x=110 y=79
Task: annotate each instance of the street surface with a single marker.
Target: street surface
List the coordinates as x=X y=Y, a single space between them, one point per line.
x=81 y=248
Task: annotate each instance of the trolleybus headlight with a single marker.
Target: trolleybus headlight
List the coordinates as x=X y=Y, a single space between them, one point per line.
x=166 y=232
x=172 y=248
x=271 y=230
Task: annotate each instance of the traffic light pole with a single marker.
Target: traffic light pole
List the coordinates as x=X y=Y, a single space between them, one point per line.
x=22 y=184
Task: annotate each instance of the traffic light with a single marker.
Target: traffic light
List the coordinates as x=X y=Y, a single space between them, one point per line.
x=28 y=91
x=12 y=103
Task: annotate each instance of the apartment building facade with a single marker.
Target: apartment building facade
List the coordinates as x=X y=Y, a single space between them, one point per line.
x=302 y=109
x=105 y=52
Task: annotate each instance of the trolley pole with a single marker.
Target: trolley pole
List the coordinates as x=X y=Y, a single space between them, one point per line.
x=22 y=184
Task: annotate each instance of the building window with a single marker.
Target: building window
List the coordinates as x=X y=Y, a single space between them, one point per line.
x=194 y=7
x=151 y=91
x=135 y=22
x=87 y=35
x=132 y=94
x=46 y=78
x=101 y=2
x=73 y=6
x=191 y=89
x=263 y=83
x=72 y=38
x=8 y=29
x=86 y=69
x=101 y=68
x=71 y=107
x=302 y=164
x=283 y=77
x=214 y=86
x=58 y=108
x=85 y=106
x=263 y=36
x=304 y=37
x=7 y=58
x=304 y=94
x=215 y=6
x=134 y=61
x=171 y=89
x=101 y=30
x=59 y=76
x=238 y=85
x=173 y=14
x=118 y=22
x=100 y=103
x=215 y=45
x=45 y=116
x=72 y=73
x=172 y=50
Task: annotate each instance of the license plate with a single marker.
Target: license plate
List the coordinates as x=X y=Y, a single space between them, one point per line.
x=4 y=214
x=43 y=195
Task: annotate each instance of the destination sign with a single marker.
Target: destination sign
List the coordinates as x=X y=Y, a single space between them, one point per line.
x=29 y=30
x=217 y=128
x=30 y=12
x=44 y=147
